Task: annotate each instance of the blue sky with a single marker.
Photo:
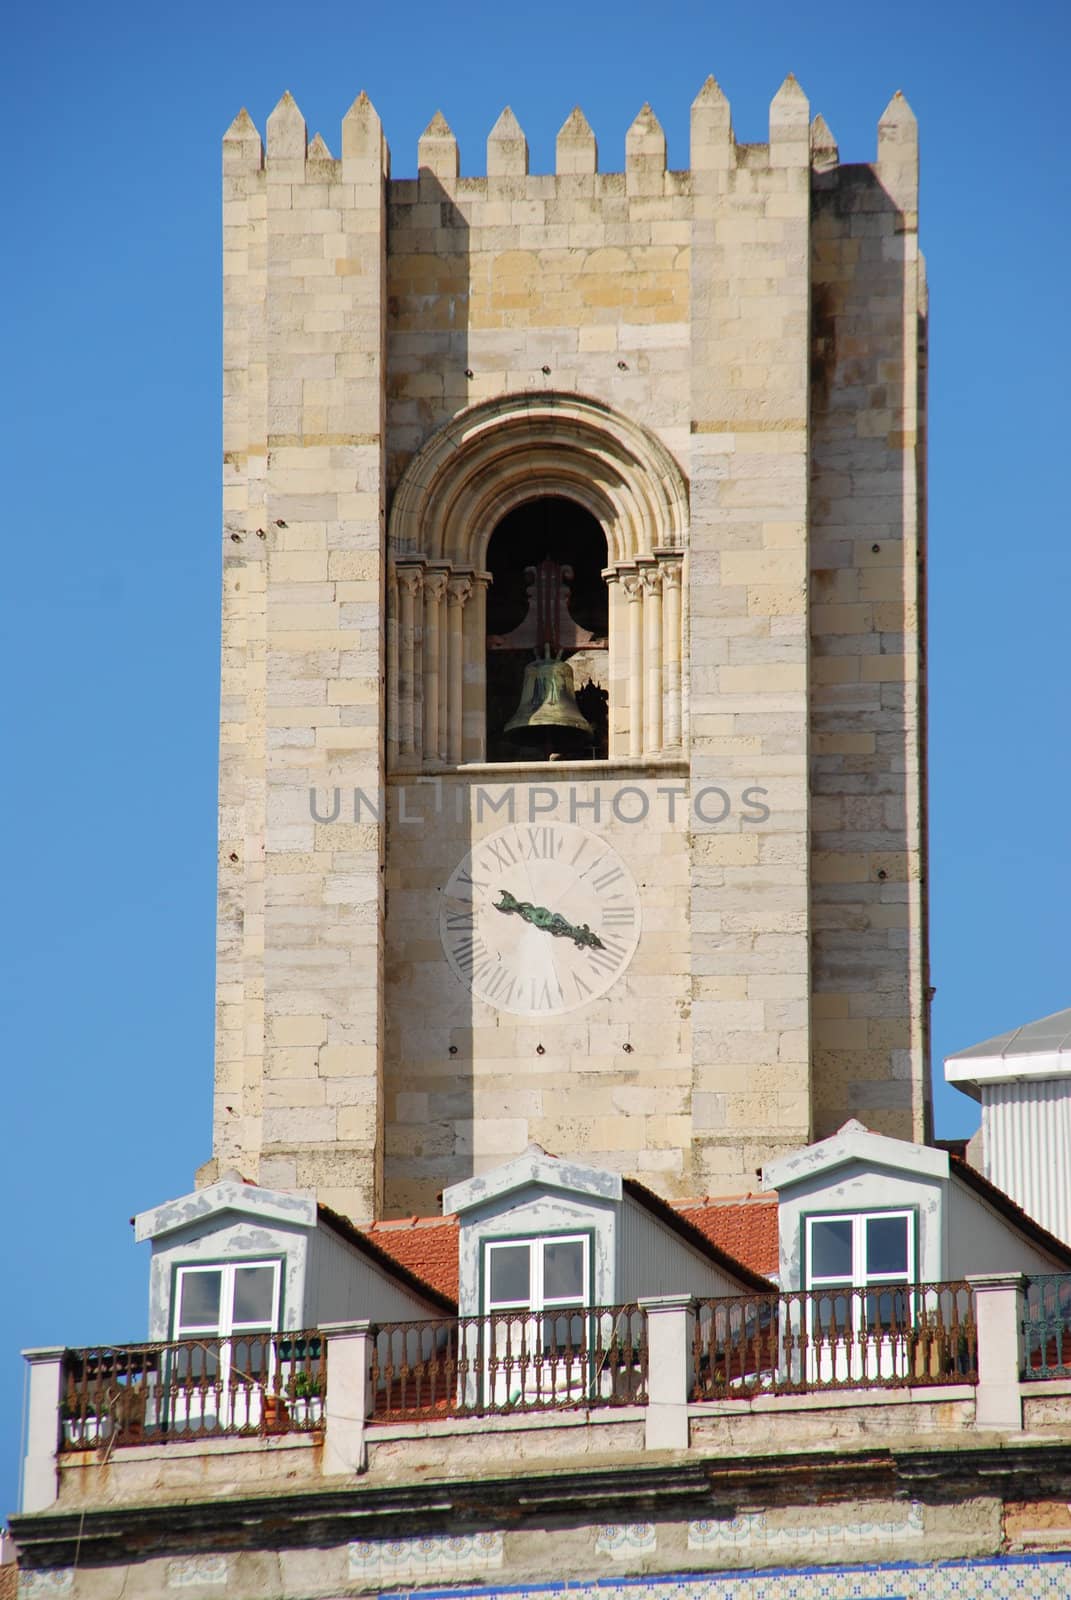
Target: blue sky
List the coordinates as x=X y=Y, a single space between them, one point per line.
x=113 y=119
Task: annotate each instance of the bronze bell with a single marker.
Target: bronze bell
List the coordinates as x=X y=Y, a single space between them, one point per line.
x=548 y=714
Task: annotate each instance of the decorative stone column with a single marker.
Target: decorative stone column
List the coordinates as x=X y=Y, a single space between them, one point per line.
x=672 y=567
x=410 y=579
x=458 y=590
x=651 y=578
x=435 y=580
x=474 y=655
x=632 y=586
x=615 y=732
x=393 y=626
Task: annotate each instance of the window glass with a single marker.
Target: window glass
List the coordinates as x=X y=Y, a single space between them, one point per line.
x=199 y=1299
x=831 y=1248
x=563 y=1269
x=510 y=1274
x=254 y=1295
x=886 y=1245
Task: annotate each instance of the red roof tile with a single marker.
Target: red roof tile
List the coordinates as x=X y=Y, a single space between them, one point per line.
x=744 y=1226
x=426 y=1246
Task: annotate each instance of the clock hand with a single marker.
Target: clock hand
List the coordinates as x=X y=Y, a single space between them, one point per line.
x=551 y=922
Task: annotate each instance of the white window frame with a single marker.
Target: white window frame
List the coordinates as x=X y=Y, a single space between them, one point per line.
x=234 y=1404
x=856 y=1351
x=520 y=1327
x=537 y=1298
x=225 y=1324
x=860 y=1278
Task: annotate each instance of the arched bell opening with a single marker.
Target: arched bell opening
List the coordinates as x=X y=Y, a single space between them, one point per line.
x=466 y=523
x=547 y=634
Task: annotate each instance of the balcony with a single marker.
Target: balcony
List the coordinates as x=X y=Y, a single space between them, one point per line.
x=789 y=1373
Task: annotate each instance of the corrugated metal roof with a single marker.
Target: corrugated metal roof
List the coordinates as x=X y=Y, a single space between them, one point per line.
x=418 y=1274
x=1046 y=1035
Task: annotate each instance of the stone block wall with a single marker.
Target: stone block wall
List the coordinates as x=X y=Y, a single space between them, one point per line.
x=757 y=319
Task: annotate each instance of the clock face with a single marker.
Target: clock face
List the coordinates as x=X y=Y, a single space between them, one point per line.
x=540 y=919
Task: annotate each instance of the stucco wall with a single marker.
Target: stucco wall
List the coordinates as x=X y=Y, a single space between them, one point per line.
x=981 y=1240
x=221 y=1240
x=855 y=1188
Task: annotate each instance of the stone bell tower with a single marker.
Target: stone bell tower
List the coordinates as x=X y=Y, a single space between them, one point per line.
x=665 y=428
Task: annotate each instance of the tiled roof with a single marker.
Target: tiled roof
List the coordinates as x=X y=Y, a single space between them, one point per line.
x=744 y=1226
x=425 y=1246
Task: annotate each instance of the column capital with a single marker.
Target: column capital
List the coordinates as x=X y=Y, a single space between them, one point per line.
x=671 y=565
x=410 y=575
x=460 y=587
x=435 y=581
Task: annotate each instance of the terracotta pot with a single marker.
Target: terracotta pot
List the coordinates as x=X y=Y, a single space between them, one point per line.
x=275 y=1416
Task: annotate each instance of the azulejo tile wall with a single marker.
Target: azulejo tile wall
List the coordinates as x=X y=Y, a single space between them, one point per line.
x=1035 y=1577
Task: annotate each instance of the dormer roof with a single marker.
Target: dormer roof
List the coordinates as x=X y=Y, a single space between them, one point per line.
x=534 y=1168
x=853 y=1143
x=231 y=1193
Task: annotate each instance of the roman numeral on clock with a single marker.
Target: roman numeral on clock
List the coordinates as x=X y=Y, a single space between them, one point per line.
x=542 y=844
x=468 y=951
x=609 y=958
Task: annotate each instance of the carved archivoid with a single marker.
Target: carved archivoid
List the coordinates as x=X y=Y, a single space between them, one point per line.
x=536 y=525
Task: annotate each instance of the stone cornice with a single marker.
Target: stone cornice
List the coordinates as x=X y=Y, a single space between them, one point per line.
x=633 y=1489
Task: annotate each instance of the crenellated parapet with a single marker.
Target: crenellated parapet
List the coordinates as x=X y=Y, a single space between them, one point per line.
x=793 y=139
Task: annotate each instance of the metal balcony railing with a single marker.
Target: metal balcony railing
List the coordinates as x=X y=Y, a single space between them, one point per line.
x=1047 y=1327
x=890 y=1337
x=193 y=1389
x=509 y=1362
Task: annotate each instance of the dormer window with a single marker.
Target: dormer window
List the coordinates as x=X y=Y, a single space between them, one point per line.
x=860 y=1251
x=537 y=1345
x=224 y=1317
x=234 y=1297
x=859 y=1269
x=547 y=1274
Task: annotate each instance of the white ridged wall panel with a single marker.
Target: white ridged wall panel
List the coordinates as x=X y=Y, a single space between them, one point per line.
x=1027 y=1143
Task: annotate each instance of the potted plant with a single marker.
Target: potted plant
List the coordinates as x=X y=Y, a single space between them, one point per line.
x=274 y=1412
x=305 y=1391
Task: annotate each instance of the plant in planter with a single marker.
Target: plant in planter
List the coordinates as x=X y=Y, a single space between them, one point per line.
x=306 y=1396
x=274 y=1412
